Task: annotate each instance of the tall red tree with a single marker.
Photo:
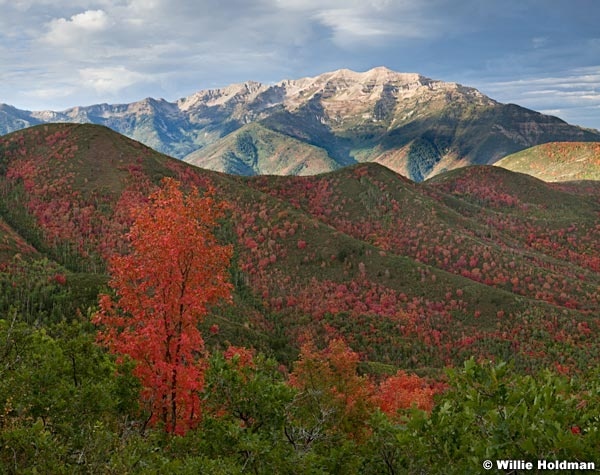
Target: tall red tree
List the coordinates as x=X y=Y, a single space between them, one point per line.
x=174 y=269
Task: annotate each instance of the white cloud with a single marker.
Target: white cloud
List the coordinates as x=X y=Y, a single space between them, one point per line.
x=555 y=112
x=68 y=32
x=355 y=21
x=577 y=84
x=43 y=93
x=572 y=95
x=347 y=22
x=109 y=80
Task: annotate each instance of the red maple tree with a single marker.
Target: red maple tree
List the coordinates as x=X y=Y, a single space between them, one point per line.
x=174 y=269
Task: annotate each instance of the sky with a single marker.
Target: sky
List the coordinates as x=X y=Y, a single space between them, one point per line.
x=56 y=54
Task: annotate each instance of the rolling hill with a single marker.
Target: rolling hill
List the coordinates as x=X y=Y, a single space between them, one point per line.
x=414 y=125
x=478 y=261
x=557 y=161
x=256 y=150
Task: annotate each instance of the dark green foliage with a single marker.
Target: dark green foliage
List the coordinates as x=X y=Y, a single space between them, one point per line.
x=11 y=210
x=34 y=289
x=422 y=157
x=237 y=165
x=15 y=214
x=247 y=148
x=491 y=413
x=6 y=149
x=63 y=408
x=246 y=412
x=41 y=292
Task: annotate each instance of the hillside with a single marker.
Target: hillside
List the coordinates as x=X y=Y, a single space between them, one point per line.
x=557 y=161
x=256 y=150
x=414 y=125
x=411 y=275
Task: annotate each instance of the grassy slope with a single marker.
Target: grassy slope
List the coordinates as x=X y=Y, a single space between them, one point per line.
x=557 y=161
x=12 y=244
x=360 y=253
x=256 y=150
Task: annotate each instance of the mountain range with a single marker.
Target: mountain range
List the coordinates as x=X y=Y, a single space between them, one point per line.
x=416 y=126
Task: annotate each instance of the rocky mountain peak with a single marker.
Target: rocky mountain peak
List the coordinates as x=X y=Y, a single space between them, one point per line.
x=246 y=91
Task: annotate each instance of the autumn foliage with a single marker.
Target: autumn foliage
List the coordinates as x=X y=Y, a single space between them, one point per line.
x=174 y=269
x=329 y=380
x=332 y=396
x=403 y=391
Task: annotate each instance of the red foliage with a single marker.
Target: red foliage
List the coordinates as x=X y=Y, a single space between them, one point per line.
x=239 y=356
x=174 y=270
x=60 y=279
x=332 y=372
x=403 y=391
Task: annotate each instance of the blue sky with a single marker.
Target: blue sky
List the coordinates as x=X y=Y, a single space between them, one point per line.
x=541 y=54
